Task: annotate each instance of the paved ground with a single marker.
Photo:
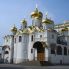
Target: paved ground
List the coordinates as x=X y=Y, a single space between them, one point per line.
x=12 y=66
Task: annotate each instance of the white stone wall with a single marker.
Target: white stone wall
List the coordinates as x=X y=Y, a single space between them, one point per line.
x=36 y=22
x=30 y=46
x=21 y=49
x=46 y=54
x=55 y=59
x=9 y=41
x=48 y=26
x=50 y=39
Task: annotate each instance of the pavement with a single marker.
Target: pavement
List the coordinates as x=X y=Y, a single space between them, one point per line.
x=13 y=66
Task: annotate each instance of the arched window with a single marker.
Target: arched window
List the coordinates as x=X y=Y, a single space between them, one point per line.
x=59 y=50
x=40 y=36
x=68 y=51
x=32 y=38
x=31 y=50
x=52 y=36
x=20 y=38
x=65 y=51
x=52 y=51
x=15 y=40
x=53 y=46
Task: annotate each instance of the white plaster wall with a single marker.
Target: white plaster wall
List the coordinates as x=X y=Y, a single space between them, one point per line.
x=36 y=22
x=66 y=59
x=25 y=46
x=30 y=46
x=19 y=52
x=55 y=59
x=21 y=49
x=48 y=26
x=67 y=41
x=38 y=38
x=50 y=39
x=7 y=56
x=46 y=54
x=9 y=41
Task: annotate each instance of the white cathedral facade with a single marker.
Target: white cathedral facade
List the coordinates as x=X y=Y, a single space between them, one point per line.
x=42 y=41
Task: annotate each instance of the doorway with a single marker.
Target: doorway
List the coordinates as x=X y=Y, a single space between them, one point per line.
x=40 y=51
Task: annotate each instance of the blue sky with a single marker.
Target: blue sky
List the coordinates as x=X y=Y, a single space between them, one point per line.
x=13 y=11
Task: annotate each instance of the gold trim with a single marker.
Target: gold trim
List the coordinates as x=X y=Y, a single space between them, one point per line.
x=47 y=21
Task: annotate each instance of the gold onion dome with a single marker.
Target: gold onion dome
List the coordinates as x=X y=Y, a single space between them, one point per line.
x=64 y=29
x=47 y=21
x=36 y=14
x=24 y=21
x=14 y=29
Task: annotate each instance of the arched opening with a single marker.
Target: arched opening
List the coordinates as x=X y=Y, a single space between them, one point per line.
x=40 y=50
x=65 y=51
x=59 y=50
x=53 y=48
x=6 y=52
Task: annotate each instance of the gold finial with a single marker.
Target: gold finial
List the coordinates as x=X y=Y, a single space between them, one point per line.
x=14 y=25
x=36 y=9
x=46 y=14
x=36 y=6
x=64 y=23
x=50 y=18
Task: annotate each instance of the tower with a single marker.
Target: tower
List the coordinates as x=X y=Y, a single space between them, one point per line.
x=36 y=16
x=24 y=24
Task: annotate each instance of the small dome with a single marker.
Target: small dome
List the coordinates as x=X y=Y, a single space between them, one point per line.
x=14 y=29
x=47 y=21
x=64 y=29
x=24 y=21
x=36 y=14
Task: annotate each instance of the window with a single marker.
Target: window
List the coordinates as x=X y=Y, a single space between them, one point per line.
x=7 y=40
x=52 y=36
x=59 y=50
x=68 y=51
x=20 y=38
x=40 y=36
x=32 y=38
x=25 y=26
x=53 y=48
x=15 y=40
x=65 y=51
x=31 y=50
x=52 y=51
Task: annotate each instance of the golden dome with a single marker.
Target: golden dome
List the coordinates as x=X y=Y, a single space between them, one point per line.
x=64 y=29
x=14 y=29
x=47 y=21
x=36 y=14
x=24 y=21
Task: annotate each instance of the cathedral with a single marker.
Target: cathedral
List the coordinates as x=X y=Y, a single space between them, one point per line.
x=42 y=41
